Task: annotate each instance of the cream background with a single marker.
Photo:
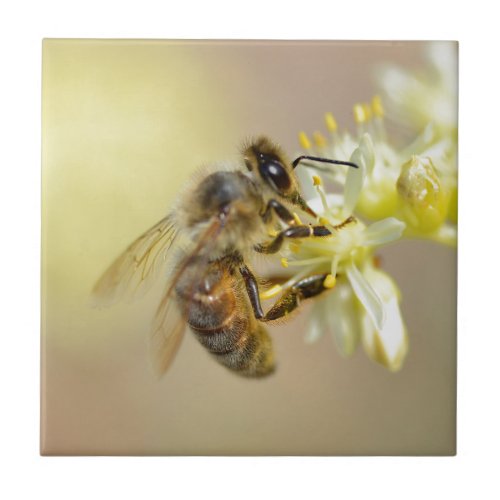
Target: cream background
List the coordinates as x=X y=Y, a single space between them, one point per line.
x=124 y=124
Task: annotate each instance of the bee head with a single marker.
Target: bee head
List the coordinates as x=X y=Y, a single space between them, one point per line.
x=267 y=161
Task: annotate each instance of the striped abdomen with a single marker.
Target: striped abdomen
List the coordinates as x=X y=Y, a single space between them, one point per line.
x=220 y=315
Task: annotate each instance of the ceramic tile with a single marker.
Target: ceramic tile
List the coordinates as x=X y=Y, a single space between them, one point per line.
x=136 y=132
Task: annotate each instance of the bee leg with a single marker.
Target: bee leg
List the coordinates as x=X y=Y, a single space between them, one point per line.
x=281 y=212
x=252 y=290
x=344 y=223
x=292 y=232
x=301 y=290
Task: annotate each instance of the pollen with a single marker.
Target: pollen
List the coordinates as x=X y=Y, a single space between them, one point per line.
x=294 y=247
x=329 y=281
x=317 y=180
x=323 y=221
x=331 y=123
x=284 y=262
x=319 y=139
x=360 y=115
x=377 y=107
x=304 y=141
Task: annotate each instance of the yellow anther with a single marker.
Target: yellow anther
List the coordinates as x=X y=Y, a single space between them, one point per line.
x=294 y=247
x=272 y=292
x=368 y=111
x=297 y=220
x=329 y=281
x=377 y=108
x=317 y=180
x=304 y=141
x=359 y=113
x=273 y=233
x=331 y=123
x=284 y=262
x=377 y=261
x=323 y=221
x=319 y=139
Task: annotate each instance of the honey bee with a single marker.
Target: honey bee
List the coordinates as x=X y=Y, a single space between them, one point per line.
x=217 y=225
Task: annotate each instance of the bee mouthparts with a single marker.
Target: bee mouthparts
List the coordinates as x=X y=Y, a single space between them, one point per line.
x=304 y=206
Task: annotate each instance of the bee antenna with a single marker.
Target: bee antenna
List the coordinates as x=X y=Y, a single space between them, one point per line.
x=322 y=160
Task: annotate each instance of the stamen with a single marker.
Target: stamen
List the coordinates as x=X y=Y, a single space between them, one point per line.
x=297 y=219
x=359 y=114
x=307 y=262
x=377 y=108
x=367 y=110
x=331 y=123
x=319 y=140
x=335 y=264
x=294 y=247
x=276 y=289
x=272 y=233
x=324 y=245
x=378 y=111
x=322 y=195
x=272 y=292
x=304 y=141
x=329 y=281
x=284 y=262
x=317 y=180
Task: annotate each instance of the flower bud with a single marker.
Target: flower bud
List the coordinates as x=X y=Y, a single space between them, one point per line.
x=423 y=201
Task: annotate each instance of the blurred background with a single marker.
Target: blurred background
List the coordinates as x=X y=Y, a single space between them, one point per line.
x=125 y=125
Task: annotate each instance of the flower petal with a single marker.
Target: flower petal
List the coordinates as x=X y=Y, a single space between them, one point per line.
x=384 y=285
x=447 y=234
x=343 y=319
x=367 y=150
x=383 y=231
x=364 y=157
x=366 y=295
x=305 y=176
x=388 y=345
x=315 y=326
x=334 y=201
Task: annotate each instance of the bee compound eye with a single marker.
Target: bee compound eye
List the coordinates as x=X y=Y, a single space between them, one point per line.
x=276 y=175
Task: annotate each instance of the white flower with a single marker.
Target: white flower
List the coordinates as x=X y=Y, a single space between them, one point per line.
x=388 y=345
x=341 y=315
x=427 y=102
x=371 y=189
x=365 y=301
x=417 y=99
x=374 y=189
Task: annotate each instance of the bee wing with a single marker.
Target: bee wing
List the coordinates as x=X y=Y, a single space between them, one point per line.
x=167 y=333
x=170 y=319
x=134 y=270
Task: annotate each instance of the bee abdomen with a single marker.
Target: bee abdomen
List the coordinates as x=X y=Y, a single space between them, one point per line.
x=245 y=350
x=222 y=319
x=253 y=357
